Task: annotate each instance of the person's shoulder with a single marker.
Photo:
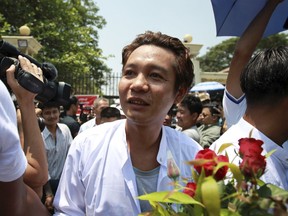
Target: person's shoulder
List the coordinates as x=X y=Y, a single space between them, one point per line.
x=111 y=125
x=67 y=119
x=62 y=125
x=63 y=128
x=89 y=122
x=232 y=135
x=180 y=139
x=99 y=136
x=102 y=129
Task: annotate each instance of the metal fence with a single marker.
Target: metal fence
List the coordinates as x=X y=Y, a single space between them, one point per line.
x=86 y=85
x=111 y=89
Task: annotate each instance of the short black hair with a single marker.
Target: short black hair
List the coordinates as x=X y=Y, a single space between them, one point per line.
x=264 y=80
x=73 y=100
x=110 y=112
x=192 y=103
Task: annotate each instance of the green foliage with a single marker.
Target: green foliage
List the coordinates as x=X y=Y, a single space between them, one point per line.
x=219 y=57
x=67 y=30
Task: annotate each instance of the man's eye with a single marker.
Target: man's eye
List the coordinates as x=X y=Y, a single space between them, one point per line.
x=128 y=73
x=155 y=75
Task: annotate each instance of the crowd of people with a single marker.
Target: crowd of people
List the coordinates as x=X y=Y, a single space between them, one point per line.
x=101 y=166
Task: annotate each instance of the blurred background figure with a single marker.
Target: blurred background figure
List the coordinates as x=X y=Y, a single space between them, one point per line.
x=69 y=117
x=188 y=112
x=98 y=105
x=118 y=106
x=210 y=128
x=204 y=97
x=170 y=117
x=110 y=114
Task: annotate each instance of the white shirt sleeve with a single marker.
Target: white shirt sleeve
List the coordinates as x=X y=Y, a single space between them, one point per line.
x=12 y=159
x=233 y=108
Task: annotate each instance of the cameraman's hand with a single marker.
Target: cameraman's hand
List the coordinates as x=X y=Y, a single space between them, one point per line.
x=22 y=94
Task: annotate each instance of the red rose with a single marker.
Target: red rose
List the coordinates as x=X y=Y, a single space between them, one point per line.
x=253 y=166
x=250 y=147
x=190 y=189
x=221 y=173
x=208 y=166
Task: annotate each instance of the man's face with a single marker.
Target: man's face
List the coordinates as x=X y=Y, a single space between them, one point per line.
x=206 y=117
x=101 y=105
x=185 y=119
x=146 y=88
x=75 y=108
x=51 y=115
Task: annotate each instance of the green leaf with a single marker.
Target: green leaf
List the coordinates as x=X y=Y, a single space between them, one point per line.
x=211 y=196
x=270 y=153
x=168 y=197
x=226 y=212
x=275 y=191
x=223 y=147
x=158 y=210
x=236 y=173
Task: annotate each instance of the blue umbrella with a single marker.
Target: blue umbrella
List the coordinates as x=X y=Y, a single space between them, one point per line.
x=232 y=17
x=207 y=86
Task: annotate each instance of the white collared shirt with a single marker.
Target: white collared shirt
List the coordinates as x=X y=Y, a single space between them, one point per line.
x=277 y=164
x=89 y=124
x=98 y=177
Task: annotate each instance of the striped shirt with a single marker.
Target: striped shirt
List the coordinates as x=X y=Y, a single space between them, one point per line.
x=57 y=149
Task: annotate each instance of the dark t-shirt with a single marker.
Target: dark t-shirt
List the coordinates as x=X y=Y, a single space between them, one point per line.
x=73 y=125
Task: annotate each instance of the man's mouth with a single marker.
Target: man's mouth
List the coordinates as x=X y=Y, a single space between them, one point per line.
x=137 y=101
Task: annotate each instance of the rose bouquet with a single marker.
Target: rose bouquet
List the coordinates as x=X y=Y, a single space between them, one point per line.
x=220 y=187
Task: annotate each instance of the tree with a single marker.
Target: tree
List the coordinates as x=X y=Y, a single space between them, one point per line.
x=219 y=57
x=67 y=30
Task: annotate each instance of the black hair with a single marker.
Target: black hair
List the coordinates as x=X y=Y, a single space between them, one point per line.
x=265 y=78
x=193 y=103
x=73 y=100
x=109 y=112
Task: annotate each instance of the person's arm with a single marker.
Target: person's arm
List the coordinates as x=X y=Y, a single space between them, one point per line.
x=36 y=174
x=48 y=196
x=19 y=199
x=246 y=46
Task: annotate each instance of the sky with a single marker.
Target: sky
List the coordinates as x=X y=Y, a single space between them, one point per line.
x=128 y=18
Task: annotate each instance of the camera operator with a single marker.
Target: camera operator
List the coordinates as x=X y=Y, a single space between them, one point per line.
x=17 y=177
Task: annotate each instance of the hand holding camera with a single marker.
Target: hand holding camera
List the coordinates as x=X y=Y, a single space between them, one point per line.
x=33 y=76
x=29 y=69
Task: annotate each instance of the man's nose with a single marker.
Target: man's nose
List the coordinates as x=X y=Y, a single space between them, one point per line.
x=140 y=82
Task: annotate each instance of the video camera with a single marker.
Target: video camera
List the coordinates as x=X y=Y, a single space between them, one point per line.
x=46 y=91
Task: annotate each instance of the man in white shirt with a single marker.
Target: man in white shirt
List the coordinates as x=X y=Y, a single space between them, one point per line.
x=234 y=101
x=264 y=81
x=99 y=104
x=106 y=169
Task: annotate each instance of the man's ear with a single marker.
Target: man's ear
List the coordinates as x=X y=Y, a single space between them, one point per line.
x=180 y=95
